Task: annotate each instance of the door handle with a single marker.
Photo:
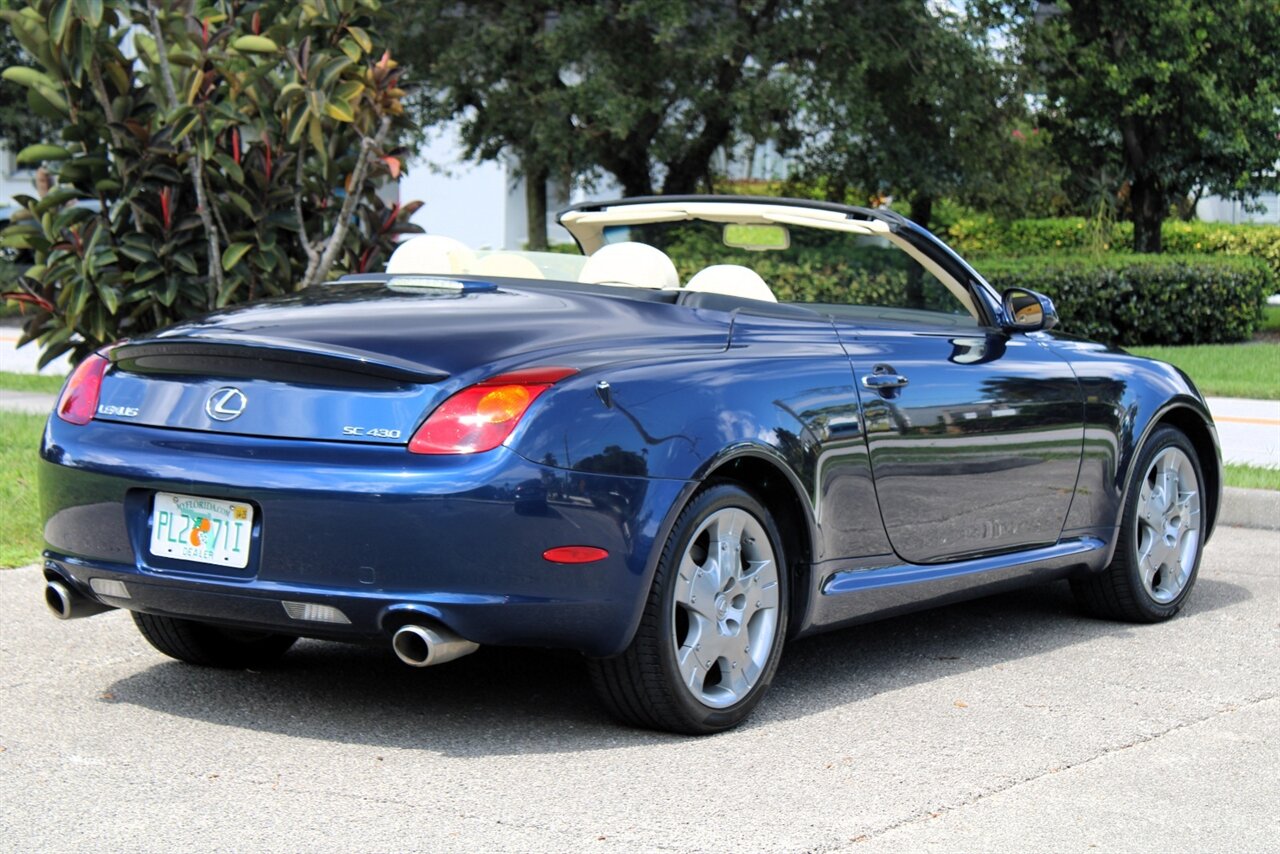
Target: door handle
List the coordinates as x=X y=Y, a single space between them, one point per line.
x=880 y=380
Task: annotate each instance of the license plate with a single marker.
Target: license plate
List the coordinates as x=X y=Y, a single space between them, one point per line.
x=204 y=530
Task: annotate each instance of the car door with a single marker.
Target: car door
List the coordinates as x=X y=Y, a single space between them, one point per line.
x=974 y=436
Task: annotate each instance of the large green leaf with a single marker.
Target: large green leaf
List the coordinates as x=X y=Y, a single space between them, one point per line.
x=351 y=49
x=30 y=77
x=46 y=108
x=91 y=11
x=229 y=166
x=60 y=18
x=255 y=44
x=110 y=298
x=233 y=253
x=296 y=125
x=339 y=110
x=185 y=262
x=362 y=39
x=40 y=152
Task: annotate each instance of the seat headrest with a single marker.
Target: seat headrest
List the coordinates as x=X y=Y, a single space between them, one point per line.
x=508 y=265
x=431 y=254
x=636 y=264
x=732 y=280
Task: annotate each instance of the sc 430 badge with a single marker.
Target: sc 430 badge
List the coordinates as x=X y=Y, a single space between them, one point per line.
x=371 y=432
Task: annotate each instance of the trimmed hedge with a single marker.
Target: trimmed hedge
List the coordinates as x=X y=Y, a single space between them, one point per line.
x=977 y=236
x=1111 y=297
x=1145 y=299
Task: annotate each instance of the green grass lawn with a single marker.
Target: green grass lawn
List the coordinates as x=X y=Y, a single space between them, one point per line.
x=1270 y=319
x=20 y=541
x=1251 y=477
x=1226 y=370
x=30 y=382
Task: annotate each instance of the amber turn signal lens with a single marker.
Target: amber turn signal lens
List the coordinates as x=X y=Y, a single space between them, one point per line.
x=480 y=418
x=504 y=403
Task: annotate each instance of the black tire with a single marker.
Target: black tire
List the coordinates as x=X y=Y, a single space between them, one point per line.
x=1118 y=592
x=643 y=686
x=211 y=646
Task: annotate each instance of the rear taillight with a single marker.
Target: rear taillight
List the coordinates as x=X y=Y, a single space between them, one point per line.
x=481 y=417
x=79 y=400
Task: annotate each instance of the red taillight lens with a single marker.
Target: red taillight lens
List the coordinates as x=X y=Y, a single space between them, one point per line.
x=79 y=400
x=480 y=418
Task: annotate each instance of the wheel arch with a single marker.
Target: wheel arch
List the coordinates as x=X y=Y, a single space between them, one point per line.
x=1196 y=425
x=778 y=489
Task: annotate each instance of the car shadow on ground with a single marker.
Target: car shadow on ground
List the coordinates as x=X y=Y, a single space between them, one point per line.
x=518 y=701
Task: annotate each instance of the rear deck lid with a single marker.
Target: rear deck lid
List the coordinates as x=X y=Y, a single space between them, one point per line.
x=366 y=362
x=259 y=386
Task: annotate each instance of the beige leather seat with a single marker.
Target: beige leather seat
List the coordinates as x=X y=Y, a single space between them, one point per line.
x=431 y=254
x=637 y=265
x=507 y=265
x=732 y=280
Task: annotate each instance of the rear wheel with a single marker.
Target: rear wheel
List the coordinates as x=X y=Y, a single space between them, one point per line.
x=211 y=646
x=712 y=630
x=1161 y=537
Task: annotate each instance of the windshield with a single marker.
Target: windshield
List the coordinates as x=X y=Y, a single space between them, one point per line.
x=833 y=268
x=755 y=251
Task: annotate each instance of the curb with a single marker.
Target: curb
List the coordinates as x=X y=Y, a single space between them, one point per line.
x=1250 y=508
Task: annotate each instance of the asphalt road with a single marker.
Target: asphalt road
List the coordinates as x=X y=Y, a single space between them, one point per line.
x=1008 y=724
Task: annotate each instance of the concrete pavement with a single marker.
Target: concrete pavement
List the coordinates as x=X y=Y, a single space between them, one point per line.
x=1005 y=724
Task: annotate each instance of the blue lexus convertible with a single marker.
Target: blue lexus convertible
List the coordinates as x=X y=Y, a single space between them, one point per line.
x=815 y=415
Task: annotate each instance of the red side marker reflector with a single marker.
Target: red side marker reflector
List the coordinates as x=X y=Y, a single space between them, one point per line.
x=574 y=554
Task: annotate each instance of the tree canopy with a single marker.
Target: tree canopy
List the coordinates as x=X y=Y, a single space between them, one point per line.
x=1174 y=95
x=904 y=99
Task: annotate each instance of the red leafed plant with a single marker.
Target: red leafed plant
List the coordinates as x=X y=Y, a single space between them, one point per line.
x=225 y=156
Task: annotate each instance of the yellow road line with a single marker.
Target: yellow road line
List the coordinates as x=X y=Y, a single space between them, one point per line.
x=1239 y=419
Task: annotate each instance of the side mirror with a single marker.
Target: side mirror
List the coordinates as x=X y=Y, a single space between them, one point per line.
x=1028 y=311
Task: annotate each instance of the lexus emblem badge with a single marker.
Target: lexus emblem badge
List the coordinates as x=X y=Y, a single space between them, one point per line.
x=225 y=404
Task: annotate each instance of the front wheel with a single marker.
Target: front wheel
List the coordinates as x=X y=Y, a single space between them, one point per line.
x=1161 y=537
x=211 y=646
x=712 y=630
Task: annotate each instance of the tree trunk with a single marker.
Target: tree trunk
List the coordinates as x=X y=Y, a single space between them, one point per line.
x=535 y=207
x=1149 y=208
x=634 y=183
x=921 y=209
x=921 y=215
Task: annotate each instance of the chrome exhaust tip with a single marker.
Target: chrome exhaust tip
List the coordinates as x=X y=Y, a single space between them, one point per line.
x=424 y=646
x=69 y=605
x=58 y=598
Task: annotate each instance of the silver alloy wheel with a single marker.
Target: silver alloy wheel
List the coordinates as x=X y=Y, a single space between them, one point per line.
x=726 y=607
x=1168 y=529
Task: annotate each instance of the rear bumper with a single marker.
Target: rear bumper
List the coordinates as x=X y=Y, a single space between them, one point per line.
x=380 y=534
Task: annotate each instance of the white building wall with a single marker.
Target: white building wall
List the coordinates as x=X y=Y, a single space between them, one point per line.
x=481 y=204
x=14 y=181
x=1214 y=209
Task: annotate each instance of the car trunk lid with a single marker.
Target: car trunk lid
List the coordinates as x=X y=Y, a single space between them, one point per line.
x=363 y=363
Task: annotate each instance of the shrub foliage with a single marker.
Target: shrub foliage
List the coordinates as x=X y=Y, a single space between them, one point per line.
x=1145 y=299
x=212 y=152
x=986 y=235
